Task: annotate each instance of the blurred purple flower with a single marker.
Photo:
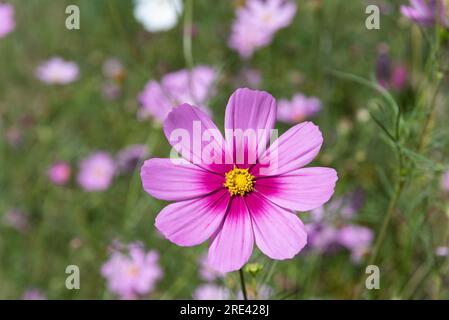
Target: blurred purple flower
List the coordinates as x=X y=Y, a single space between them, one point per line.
x=57 y=71
x=207 y=273
x=59 y=173
x=425 y=12
x=16 y=219
x=399 y=77
x=442 y=251
x=183 y=86
x=445 y=181
x=387 y=74
x=321 y=237
x=132 y=274
x=298 y=109
x=246 y=39
x=250 y=78
x=33 y=294
x=128 y=158
x=211 y=292
x=357 y=239
x=257 y=22
x=96 y=172
x=7 y=21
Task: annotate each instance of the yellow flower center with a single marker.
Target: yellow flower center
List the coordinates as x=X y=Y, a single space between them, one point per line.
x=133 y=271
x=239 y=182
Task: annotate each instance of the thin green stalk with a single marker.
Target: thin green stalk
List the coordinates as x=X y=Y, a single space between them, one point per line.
x=187 y=34
x=242 y=284
x=383 y=230
x=430 y=115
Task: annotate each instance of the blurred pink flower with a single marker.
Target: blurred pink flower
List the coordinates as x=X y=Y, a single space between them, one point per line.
x=251 y=78
x=321 y=237
x=298 y=109
x=16 y=219
x=357 y=239
x=59 y=173
x=442 y=251
x=270 y=15
x=387 y=74
x=257 y=22
x=133 y=273
x=96 y=172
x=57 y=71
x=246 y=39
x=128 y=158
x=211 y=292
x=445 y=181
x=7 y=22
x=195 y=87
x=237 y=206
x=425 y=12
x=399 y=77
x=207 y=273
x=33 y=294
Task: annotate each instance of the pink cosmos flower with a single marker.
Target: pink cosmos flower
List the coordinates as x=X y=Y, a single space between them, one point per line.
x=257 y=23
x=96 y=172
x=246 y=39
x=426 y=12
x=7 y=22
x=357 y=239
x=33 y=294
x=211 y=292
x=271 y=15
x=195 y=87
x=133 y=273
x=298 y=109
x=57 y=71
x=59 y=173
x=247 y=193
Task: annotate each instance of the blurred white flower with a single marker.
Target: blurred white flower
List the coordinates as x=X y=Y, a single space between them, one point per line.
x=158 y=15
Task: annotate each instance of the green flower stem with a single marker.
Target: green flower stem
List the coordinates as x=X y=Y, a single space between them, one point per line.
x=242 y=284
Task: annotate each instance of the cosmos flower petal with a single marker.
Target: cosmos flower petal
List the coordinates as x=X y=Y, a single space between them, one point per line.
x=294 y=149
x=186 y=128
x=168 y=181
x=302 y=190
x=279 y=233
x=249 y=111
x=189 y=223
x=232 y=245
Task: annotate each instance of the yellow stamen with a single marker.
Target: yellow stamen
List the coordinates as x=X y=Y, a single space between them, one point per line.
x=239 y=182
